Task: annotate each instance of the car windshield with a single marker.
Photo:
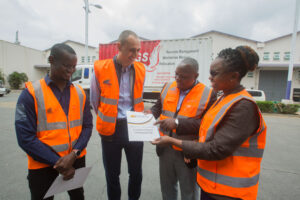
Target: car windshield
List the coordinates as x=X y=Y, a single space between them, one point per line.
x=76 y=75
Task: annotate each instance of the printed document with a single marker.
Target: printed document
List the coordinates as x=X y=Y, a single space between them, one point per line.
x=59 y=185
x=140 y=126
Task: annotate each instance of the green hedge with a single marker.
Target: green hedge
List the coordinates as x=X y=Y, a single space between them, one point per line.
x=266 y=106
x=275 y=107
x=287 y=108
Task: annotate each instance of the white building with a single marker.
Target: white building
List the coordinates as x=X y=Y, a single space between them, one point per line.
x=15 y=57
x=271 y=75
x=33 y=62
x=79 y=48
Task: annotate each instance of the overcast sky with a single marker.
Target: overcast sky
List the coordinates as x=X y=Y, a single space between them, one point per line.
x=41 y=23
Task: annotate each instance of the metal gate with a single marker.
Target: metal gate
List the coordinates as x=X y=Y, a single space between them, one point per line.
x=273 y=83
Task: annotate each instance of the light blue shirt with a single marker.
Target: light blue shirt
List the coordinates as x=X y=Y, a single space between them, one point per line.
x=181 y=97
x=125 y=96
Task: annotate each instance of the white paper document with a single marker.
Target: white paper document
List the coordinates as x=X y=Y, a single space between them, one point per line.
x=59 y=185
x=140 y=126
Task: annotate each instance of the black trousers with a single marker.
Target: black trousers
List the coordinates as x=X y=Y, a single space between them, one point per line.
x=112 y=155
x=206 y=196
x=40 y=181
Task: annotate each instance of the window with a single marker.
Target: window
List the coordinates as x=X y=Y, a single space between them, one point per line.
x=82 y=59
x=76 y=75
x=250 y=74
x=276 y=56
x=266 y=55
x=287 y=55
x=94 y=58
x=298 y=75
x=89 y=59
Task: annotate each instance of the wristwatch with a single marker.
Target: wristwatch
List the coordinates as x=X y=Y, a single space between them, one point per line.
x=176 y=122
x=77 y=152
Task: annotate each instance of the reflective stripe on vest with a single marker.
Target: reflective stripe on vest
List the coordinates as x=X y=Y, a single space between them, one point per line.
x=164 y=93
x=235 y=182
x=54 y=128
x=203 y=101
x=42 y=117
x=252 y=150
x=106 y=76
x=202 y=104
x=137 y=100
x=108 y=101
x=199 y=95
x=63 y=147
x=236 y=175
x=106 y=118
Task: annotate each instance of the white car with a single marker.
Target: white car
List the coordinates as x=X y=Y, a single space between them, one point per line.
x=258 y=95
x=2 y=91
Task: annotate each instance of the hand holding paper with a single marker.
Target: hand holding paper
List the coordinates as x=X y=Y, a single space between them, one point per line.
x=59 y=185
x=141 y=126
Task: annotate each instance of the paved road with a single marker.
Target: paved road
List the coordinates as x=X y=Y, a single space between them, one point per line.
x=280 y=176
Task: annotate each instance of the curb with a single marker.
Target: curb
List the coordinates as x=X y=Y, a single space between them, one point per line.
x=297 y=115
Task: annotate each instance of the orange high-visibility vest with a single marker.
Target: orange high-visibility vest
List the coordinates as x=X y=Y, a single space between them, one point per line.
x=193 y=105
x=106 y=75
x=54 y=128
x=237 y=175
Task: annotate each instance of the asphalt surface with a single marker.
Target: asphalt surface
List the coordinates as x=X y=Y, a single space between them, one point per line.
x=280 y=175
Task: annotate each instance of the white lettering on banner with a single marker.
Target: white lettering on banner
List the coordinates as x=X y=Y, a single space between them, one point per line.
x=164 y=56
x=143 y=58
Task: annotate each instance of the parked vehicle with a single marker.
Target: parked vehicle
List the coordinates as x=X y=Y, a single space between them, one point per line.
x=258 y=95
x=3 y=90
x=82 y=76
x=160 y=58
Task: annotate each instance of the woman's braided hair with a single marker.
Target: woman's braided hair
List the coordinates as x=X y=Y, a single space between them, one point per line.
x=241 y=59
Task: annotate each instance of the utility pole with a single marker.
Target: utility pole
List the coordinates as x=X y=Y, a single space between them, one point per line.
x=292 y=54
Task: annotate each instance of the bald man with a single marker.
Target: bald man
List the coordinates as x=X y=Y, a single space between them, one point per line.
x=117 y=86
x=180 y=107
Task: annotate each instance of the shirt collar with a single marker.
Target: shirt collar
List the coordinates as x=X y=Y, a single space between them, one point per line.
x=119 y=66
x=184 y=92
x=49 y=81
x=126 y=69
x=188 y=90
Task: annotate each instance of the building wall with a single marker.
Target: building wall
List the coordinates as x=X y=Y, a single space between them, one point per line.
x=281 y=45
x=222 y=41
x=80 y=52
x=21 y=59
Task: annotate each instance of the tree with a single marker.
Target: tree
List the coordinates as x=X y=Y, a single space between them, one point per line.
x=2 y=76
x=15 y=79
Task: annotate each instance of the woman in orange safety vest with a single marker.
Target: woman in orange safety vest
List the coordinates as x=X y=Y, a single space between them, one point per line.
x=232 y=134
